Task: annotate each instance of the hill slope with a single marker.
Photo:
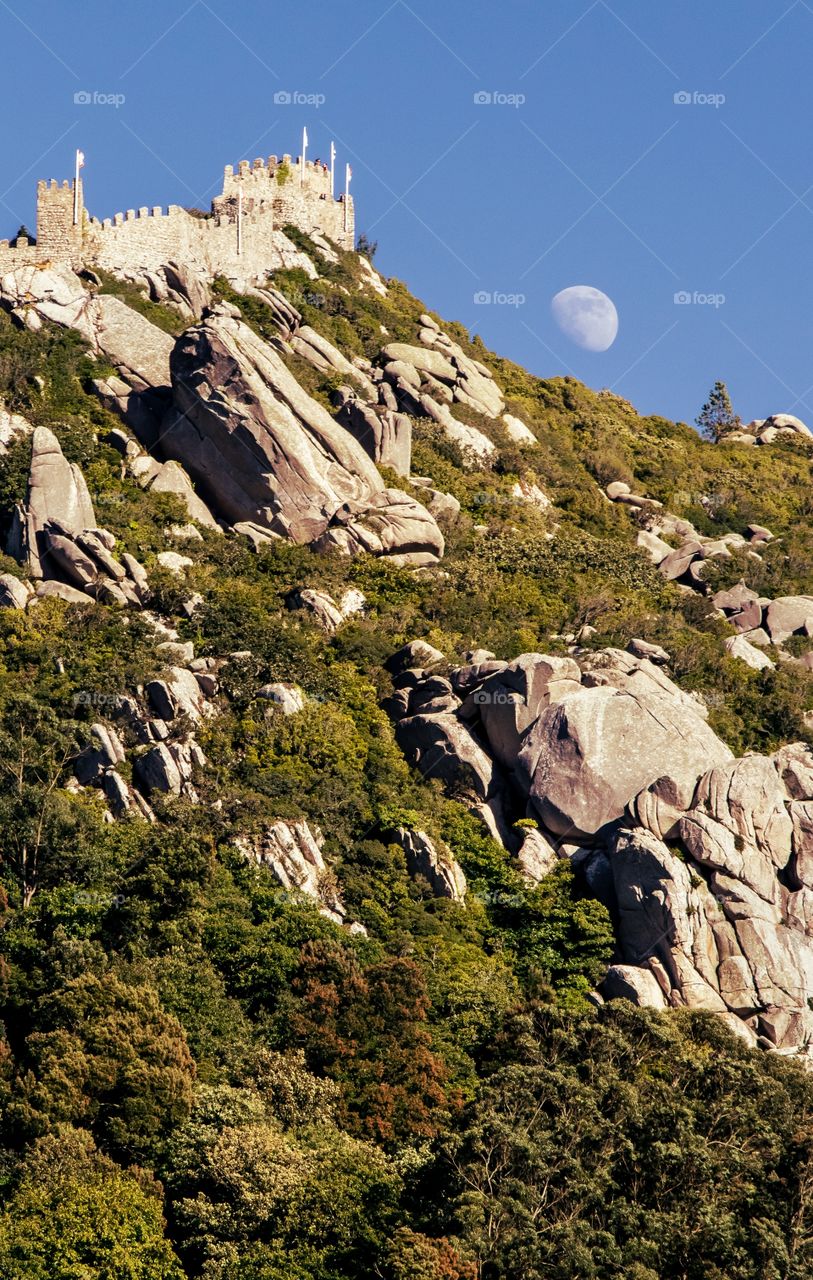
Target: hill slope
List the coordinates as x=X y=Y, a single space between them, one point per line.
x=403 y=873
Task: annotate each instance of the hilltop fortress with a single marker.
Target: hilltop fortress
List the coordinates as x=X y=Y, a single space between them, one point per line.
x=242 y=236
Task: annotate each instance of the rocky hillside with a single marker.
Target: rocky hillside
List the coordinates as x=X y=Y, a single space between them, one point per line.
x=397 y=747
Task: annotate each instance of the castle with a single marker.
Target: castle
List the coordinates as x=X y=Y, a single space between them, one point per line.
x=240 y=237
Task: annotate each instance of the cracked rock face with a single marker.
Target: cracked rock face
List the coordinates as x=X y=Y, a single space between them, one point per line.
x=269 y=454
x=722 y=918
x=705 y=861
x=293 y=851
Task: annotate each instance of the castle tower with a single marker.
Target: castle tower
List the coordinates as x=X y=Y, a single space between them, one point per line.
x=59 y=239
x=288 y=191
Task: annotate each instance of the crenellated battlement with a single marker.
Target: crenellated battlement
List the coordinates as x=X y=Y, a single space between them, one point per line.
x=241 y=235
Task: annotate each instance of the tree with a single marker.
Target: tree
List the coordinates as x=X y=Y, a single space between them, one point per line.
x=107 y=1056
x=36 y=749
x=633 y=1143
x=367 y=247
x=74 y=1214
x=367 y=1029
x=242 y=1187
x=717 y=415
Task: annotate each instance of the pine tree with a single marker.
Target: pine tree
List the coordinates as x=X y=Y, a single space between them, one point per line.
x=717 y=415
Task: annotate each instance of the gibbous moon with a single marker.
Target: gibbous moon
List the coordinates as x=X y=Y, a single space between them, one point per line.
x=587 y=316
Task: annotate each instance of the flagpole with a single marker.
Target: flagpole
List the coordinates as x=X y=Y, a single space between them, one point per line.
x=304 y=153
x=332 y=170
x=76 y=192
x=347 y=176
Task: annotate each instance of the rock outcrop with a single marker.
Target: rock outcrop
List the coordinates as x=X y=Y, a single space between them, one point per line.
x=267 y=453
x=425 y=859
x=705 y=861
x=567 y=743
x=56 y=491
x=55 y=537
x=293 y=851
x=767 y=430
x=727 y=925
x=138 y=349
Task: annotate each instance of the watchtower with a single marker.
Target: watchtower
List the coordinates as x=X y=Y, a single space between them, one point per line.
x=60 y=214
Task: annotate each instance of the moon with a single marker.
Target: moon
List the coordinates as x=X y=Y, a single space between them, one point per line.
x=587 y=316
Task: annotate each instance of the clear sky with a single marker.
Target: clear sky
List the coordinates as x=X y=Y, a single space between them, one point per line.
x=587 y=166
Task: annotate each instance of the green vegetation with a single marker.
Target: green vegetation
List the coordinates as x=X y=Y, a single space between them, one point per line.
x=166 y=318
x=717 y=415
x=202 y=1076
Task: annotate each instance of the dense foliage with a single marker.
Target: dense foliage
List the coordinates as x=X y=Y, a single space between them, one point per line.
x=202 y=1076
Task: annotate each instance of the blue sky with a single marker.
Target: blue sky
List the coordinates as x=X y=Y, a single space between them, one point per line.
x=583 y=168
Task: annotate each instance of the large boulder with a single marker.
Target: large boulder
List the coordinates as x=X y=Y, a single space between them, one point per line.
x=138 y=348
x=788 y=614
x=14 y=594
x=787 y=422
x=628 y=982
x=441 y=364
x=739 y=647
x=590 y=753
x=56 y=492
x=169 y=768
x=34 y=294
x=267 y=453
x=386 y=437
x=170 y=477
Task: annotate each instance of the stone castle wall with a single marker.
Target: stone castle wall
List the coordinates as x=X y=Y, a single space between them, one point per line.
x=274 y=193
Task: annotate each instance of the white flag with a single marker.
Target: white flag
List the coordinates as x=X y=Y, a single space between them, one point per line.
x=333 y=153
x=349 y=175
x=305 y=137
x=80 y=159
